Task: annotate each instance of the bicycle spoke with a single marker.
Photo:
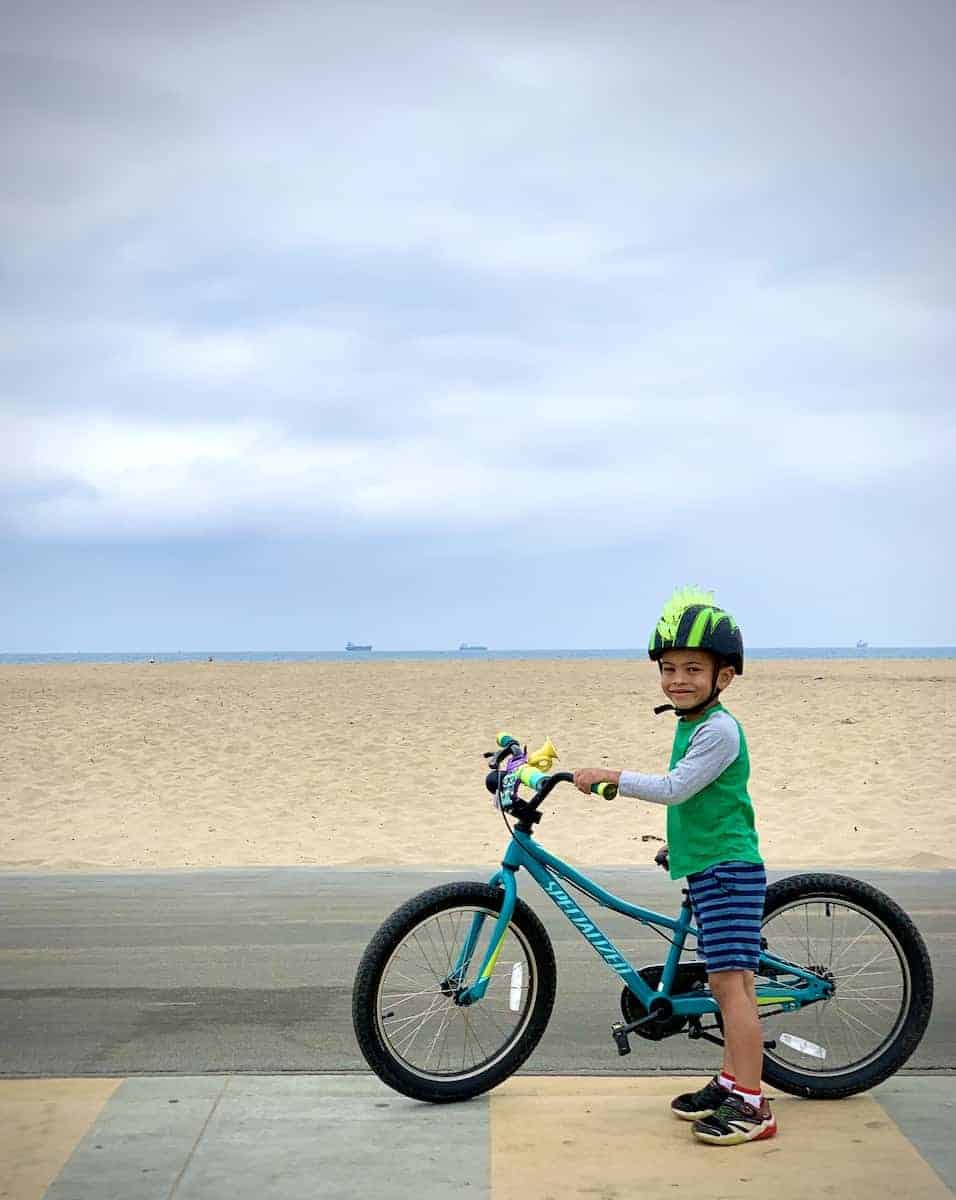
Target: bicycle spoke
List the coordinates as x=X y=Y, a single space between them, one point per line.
x=397 y=999
x=407 y=1045
x=400 y=1025
x=424 y=956
x=441 y=1029
x=447 y=951
x=846 y=949
x=877 y=958
x=403 y=975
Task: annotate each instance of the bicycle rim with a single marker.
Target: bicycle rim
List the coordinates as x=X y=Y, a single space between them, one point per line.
x=866 y=963
x=423 y=1028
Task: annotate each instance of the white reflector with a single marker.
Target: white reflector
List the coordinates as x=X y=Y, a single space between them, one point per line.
x=514 y=996
x=801 y=1044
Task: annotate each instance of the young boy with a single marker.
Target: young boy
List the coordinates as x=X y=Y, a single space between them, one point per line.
x=712 y=841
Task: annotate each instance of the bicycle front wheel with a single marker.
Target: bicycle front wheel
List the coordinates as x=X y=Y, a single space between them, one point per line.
x=865 y=944
x=410 y=1029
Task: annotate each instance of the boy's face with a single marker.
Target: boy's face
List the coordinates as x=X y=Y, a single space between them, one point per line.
x=687 y=676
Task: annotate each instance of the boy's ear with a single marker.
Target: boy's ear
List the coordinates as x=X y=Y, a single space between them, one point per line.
x=725 y=677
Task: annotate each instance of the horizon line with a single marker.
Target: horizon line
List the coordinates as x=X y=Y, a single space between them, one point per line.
x=642 y=650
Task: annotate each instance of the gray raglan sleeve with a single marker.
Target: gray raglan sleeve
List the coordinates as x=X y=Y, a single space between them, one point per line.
x=713 y=747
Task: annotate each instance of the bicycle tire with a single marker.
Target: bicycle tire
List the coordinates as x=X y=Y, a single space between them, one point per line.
x=916 y=986
x=376 y=1045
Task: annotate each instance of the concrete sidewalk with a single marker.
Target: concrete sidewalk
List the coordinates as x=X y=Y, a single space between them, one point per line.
x=233 y=1137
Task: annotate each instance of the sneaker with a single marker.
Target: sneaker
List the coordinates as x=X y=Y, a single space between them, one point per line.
x=692 y=1106
x=736 y=1121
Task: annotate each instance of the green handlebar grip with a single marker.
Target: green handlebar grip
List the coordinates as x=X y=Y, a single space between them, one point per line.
x=505 y=739
x=607 y=790
x=531 y=777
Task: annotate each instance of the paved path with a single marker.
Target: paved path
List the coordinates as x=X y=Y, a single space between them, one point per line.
x=229 y=971
x=152 y=1027
x=534 y=1138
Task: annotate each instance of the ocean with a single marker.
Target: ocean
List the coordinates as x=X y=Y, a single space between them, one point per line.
x=757 y=653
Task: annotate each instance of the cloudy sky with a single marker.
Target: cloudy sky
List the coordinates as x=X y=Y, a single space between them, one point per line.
x=422 y=322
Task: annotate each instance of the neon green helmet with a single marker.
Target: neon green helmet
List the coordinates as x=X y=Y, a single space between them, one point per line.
x=691 y=620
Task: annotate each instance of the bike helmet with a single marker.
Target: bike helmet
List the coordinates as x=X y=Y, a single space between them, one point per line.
x=691 y=620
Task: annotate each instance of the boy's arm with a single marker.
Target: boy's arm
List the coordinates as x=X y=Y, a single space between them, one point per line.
x=712 y=749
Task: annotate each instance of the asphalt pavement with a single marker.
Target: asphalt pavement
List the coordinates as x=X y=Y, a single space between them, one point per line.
x=251 y=971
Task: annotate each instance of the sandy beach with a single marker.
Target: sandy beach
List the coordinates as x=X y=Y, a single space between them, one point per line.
x=379 y=763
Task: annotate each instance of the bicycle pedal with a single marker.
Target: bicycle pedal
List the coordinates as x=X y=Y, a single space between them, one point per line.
x=619 y=1033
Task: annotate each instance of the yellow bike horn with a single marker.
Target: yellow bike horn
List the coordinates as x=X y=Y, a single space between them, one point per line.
x=544 y=756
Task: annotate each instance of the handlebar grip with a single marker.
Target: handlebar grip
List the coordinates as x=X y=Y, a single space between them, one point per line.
x=607 y=790
x=531 y=777
x=505 y=739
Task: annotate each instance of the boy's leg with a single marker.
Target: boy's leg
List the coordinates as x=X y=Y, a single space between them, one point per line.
x=692 y=1106
x=745 y=1116
x=743 y=1037
x=728 y=900
x=727 y=1069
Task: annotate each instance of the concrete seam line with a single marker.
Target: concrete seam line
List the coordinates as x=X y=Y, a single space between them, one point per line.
x=199 y=1136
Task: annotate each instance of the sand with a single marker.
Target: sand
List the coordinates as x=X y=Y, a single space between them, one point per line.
x=380 y=763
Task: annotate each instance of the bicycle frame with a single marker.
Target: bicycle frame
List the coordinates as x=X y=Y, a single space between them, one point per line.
x=546 y=868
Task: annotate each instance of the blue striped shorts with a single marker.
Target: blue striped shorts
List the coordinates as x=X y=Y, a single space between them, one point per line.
x=728 y=908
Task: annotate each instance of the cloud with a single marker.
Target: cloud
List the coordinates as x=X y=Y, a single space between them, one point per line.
x=472 y=460
x=424 y=270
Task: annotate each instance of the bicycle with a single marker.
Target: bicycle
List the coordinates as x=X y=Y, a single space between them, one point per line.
x=455 y=990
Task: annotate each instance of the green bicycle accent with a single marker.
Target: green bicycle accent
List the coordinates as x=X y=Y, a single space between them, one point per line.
x=492 y=959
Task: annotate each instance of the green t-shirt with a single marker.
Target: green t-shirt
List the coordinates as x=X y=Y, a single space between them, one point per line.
x=716 y=824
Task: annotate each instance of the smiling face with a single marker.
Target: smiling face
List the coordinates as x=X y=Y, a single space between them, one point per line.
x=687 y=676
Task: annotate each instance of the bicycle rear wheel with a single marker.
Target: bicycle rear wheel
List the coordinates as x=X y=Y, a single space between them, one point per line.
x=860 y=939
x=413 y=1034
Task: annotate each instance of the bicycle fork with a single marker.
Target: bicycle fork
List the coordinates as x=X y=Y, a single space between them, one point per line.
x=452 y=984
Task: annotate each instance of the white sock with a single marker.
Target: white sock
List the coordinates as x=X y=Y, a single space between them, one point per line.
x=726 y=1081
x=755 y=1099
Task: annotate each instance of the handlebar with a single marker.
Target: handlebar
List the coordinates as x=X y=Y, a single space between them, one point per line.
x=539 y=781
x=606 y=789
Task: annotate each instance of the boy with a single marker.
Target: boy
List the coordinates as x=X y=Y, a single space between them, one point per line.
x=712 y=841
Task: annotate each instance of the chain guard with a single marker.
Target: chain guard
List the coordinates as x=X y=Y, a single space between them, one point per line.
x=691 y=977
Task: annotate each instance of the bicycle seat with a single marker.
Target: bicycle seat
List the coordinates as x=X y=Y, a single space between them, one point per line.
x=661 y=858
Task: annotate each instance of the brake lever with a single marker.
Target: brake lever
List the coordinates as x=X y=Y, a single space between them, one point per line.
x=497 y=757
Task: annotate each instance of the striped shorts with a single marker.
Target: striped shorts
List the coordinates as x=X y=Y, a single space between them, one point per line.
x=728 y=908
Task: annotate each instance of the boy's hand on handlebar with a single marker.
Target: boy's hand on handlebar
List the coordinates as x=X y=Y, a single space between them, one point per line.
x=587 y=777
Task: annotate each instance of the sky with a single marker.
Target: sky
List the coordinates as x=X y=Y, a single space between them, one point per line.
x=415 y=323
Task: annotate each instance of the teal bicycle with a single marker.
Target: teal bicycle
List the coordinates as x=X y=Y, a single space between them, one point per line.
x=455 y=990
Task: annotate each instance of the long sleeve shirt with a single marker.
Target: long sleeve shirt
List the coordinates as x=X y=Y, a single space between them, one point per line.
x=714 y=745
